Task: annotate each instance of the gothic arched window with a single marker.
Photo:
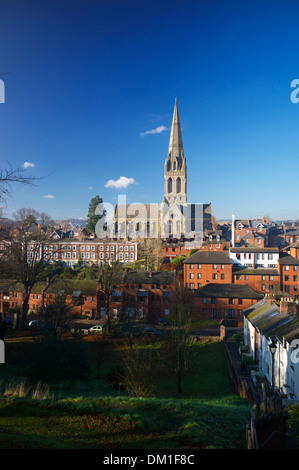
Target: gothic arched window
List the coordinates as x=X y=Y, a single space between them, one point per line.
x=168 y=165
x=178 y=185
x=169 y=185
x=174 y=165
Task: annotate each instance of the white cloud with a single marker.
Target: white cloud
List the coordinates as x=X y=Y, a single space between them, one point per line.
x=28 y=165
x=122 y=182
x=49 y=196
x=158 y=130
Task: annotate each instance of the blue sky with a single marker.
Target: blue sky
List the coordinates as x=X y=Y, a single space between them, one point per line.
x=85 y=80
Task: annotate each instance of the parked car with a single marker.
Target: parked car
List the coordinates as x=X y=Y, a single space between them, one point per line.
x=96 y=329
x=34 y=324
x=152 y=331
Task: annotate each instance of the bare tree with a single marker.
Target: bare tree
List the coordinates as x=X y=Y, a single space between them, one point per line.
x=111 y=275
x=25 y=260
x=9 y=176
x=26 y=217
x=181 y=313
x=150 y=250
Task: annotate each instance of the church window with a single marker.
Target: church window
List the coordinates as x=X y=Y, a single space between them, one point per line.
x=178 y=185
x=169 y=185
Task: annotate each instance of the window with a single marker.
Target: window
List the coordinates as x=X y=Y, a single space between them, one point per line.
x=270 y=256
x=191 y=266
x=213 y=300
x=263 y=287
x=222 y=276
x=231 y=313
x=215 y=276
x=240 y=301
x=191 y=276
x=213 y=312
x=222 y=266
x=191 y=285
x=246 y=277
x=294 y=278
x=231 y=301
x=271 y=278
x=199 y=266
x=263 y=278
x=239 y=277
x=287 y=268
x=215 y=266
x=198 y=275
x=204 y=300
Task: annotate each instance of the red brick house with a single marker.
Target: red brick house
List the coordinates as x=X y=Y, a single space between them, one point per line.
x=225 y=302
x=204 y=267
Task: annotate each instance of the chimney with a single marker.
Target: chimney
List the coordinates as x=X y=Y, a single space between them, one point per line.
x=288 y=306
x=233 y=230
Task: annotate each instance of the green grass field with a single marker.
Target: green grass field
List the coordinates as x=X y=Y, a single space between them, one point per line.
x=207 y=415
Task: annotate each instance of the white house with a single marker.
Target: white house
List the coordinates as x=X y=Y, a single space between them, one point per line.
x=271 y=332
x=254 y=257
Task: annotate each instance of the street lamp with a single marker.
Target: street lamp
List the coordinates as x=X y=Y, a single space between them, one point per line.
x=273 y=348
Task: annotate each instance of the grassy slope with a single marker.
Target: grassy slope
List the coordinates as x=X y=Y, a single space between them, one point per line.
x=207 y=415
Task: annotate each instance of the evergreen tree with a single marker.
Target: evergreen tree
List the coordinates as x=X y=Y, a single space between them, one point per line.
x=92 y=216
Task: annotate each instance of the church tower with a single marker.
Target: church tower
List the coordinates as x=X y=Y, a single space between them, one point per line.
x=175 y=170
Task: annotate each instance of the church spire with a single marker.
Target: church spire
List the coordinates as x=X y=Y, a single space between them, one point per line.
x=175 y=170
x=175 y=148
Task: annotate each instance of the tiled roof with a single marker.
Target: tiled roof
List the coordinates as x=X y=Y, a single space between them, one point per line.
x=209 y=257
x=228 y=291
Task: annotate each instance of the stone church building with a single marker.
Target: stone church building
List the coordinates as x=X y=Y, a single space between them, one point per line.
x=174 y=217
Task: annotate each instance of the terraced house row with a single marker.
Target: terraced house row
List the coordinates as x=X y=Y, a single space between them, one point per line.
x=70 y=252
x=227 y=282
x=141 y=294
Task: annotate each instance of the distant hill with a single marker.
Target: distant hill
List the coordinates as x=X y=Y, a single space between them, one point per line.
x=75 y=222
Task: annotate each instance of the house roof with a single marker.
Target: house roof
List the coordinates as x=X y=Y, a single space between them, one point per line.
x=69 y=286
x=254 y=250
x=209 y=257
x=144 y=277
x=266 y=317
x=228 y=291
x=285 y=259
x=257 y=271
